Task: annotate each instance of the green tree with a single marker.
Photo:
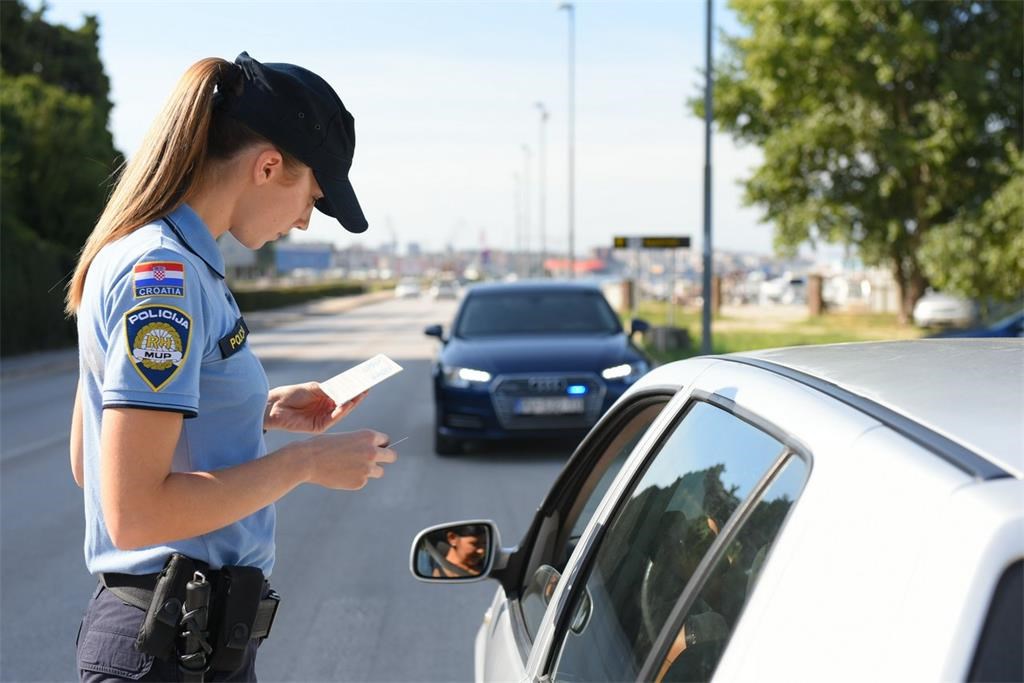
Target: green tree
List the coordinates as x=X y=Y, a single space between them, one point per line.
x=56 y=154
x=62 y=56
x=980 y=254
x=882 y=123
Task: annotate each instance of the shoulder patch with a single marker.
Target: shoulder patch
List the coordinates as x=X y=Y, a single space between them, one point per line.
x=157 y=340
x=159 y=278
x=233 y=341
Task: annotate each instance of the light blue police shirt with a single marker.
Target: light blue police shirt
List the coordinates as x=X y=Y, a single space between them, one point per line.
x=158 y=329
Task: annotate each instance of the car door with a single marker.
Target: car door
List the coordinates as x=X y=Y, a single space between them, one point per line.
x=663 y=582
x=506 y=637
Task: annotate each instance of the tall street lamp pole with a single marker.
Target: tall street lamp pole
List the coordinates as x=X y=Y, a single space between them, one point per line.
x=542 y=182
x=571 y=10
x=526 y=208
x=516 y=262
x=705 y=346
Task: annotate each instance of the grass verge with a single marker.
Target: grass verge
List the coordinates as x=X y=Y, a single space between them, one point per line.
x=750 y=331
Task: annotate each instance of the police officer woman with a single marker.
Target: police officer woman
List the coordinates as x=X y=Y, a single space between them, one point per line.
x=167 y=431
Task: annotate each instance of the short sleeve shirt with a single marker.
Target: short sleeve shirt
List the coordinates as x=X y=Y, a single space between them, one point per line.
x=158 y=329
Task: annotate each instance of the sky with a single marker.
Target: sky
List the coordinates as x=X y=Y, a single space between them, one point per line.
x=444 y=97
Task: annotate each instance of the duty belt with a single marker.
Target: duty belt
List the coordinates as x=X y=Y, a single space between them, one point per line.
x=137 y=590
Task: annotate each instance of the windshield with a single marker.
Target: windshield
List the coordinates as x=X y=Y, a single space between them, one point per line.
x=536 y=312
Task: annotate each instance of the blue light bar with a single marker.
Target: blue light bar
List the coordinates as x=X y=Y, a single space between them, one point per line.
x=576 y=389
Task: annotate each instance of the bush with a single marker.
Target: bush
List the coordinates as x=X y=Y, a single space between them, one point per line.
x=32 y=293
x=276 y=297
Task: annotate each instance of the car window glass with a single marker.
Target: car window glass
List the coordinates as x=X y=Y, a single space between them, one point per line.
x=613 y=461
x=527 y=312
x=536 y=596
x=541 y=582
x=699 y=642
x=708 y=465
x=998 y=655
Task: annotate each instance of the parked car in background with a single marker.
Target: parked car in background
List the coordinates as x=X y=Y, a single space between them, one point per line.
x=408 y=288
x=849 y=512
x=444 y=289
x=788 y=289
x=1008 y=326
x=530 y=359
x=937 y=308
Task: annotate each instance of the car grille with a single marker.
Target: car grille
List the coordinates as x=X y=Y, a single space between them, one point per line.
x=509 y=390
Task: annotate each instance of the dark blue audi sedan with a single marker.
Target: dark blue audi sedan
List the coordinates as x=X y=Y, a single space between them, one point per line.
x=530 y=359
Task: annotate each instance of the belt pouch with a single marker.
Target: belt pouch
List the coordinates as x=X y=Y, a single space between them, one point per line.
x=160 y=627
x=238 y=591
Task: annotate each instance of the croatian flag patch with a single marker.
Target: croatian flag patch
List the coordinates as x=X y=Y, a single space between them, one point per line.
x=159 y=278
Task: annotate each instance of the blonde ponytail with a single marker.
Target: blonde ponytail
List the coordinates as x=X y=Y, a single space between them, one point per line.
x=168 y=167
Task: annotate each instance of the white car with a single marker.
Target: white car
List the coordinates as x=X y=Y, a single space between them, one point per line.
x=444 y=289
x=936 y=308
x=407 y=288
x=847 y=512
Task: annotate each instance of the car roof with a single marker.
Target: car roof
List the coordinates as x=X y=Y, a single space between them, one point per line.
x=969 y=390
x=534 y=286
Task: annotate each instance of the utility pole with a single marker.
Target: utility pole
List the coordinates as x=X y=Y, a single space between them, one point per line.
x=396 y=263
x=542 y=183
x=705 y=345
x=518 y=250
x=526 y=208
x=571 y=10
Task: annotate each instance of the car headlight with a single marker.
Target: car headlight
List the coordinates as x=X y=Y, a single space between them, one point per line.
x=463 y=378
x=627 y=372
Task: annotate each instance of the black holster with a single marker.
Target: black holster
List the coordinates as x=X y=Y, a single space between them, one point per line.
x=237 y=596
x=161 y=625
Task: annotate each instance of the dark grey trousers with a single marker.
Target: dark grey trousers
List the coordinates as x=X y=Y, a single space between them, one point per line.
x=106 y=647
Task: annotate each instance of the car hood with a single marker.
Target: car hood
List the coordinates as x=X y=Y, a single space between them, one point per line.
x=540 y=353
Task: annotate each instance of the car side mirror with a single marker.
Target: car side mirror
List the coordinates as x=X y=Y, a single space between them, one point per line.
x=434 y=331
x=638 y=325
x=457 y=551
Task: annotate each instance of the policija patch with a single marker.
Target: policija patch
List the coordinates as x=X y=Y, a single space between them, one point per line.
x=158 y=340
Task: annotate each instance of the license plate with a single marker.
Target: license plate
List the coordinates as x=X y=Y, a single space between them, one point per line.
x=549 y=405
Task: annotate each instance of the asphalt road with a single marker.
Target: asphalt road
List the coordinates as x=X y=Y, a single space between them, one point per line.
x=350 y=610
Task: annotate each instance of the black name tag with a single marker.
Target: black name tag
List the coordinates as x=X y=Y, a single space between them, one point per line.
x=235 y=339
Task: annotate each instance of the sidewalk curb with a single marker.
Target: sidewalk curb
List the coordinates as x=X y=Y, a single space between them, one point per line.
x=62 y=360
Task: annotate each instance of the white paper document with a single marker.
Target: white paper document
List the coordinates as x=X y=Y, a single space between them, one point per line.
x=354 y=381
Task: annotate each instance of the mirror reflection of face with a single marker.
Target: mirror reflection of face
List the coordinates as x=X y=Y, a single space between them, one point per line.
x=466 y=552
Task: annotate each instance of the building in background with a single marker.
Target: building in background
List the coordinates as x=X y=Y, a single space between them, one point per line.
x=240 y=262
x=309 y=257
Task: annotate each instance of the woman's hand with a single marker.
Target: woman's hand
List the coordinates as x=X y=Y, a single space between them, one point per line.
x=346 y=461
x=305 y=408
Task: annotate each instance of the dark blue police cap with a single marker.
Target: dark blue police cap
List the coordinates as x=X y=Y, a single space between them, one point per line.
x=298 y=111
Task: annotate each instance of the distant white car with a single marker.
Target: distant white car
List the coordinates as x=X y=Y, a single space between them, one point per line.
x=936 y=308
x=850 y=512
x=408 y=288
x=788 y=289
x=444 y=289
